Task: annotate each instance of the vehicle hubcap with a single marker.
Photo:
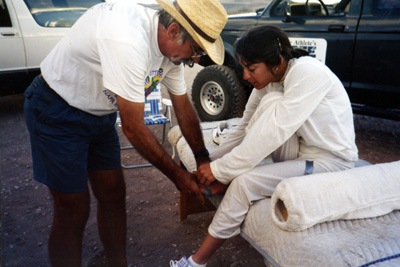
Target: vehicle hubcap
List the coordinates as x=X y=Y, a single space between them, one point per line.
x=212 y=98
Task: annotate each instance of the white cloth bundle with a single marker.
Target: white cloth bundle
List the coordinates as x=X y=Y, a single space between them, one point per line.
x=186 y=156
x=363 y=192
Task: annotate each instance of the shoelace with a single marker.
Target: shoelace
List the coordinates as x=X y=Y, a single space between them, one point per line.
x=173 y=263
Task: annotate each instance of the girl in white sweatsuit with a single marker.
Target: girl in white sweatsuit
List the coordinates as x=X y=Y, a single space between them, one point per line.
x=297 y=111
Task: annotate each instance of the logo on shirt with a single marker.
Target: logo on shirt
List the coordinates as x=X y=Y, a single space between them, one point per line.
x=111 y=97
x=152 y=82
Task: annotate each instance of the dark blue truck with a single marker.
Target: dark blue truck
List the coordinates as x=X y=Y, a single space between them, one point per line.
x=359 y=40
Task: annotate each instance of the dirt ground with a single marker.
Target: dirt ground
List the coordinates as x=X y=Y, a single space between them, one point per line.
x=155 y=234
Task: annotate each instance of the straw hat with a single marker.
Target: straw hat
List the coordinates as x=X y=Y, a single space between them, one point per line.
x=204 y=20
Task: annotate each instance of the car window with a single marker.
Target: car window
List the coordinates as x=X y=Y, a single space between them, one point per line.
x=387 y=7
x=5 y=20
x=58 y=13
x=313 y=8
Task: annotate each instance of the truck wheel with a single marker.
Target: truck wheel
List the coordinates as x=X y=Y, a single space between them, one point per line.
x=217 y=94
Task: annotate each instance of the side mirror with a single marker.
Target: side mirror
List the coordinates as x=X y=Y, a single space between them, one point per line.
x=260 y=11
x=286 y=12
x=288 y=15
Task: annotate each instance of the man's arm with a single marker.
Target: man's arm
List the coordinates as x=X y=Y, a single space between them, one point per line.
x=147 y=145
x=190 y=126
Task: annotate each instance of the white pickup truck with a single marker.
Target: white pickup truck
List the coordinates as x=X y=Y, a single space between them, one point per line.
x=29 y=29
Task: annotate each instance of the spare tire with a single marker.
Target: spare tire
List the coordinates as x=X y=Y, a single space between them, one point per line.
x=217 y=94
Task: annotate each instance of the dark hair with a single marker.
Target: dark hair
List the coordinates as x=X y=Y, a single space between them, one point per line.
x=166 y=20
x=265 y=44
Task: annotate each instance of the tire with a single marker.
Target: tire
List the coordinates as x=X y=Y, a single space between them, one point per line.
x=217 y=94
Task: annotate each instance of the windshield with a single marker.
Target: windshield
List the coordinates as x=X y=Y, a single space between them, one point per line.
x=243 y=6
x=58 y=13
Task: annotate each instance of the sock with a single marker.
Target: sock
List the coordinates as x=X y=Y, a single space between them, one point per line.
x=194 y=264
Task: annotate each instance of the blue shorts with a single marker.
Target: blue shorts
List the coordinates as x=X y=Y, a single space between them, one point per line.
x=67 y=142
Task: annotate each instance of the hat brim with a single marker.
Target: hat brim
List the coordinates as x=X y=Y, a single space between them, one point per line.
x=214 y=50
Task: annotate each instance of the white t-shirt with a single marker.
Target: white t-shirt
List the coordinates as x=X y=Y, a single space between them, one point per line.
x=310 y=102
x=111 y=50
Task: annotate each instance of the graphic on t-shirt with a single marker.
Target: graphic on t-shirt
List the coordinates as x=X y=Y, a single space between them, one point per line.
x=111 y=97
x=151 y=83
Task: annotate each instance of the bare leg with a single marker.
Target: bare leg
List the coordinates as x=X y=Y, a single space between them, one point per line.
x=71 y=212
x=207 y=249
x=110 y=191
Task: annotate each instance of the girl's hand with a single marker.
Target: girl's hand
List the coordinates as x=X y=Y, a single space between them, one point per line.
x=204 y=174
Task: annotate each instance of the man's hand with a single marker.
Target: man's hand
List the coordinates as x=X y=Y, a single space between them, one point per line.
x=204 y=174
x=187 y=184
x=144 y=141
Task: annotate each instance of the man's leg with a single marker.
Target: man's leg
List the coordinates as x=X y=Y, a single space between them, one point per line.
x=71 y=212
x=110 y=190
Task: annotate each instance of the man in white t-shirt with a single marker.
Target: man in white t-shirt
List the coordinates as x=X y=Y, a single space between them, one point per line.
x=111 y=59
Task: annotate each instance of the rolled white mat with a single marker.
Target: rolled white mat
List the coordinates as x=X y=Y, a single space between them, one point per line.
x=358 y=193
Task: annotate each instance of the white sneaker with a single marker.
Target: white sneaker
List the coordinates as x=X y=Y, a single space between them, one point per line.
x=181 y=263
x=221 y=132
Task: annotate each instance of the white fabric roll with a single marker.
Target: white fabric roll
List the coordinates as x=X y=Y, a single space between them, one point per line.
x=357 y=193
x=186 y=156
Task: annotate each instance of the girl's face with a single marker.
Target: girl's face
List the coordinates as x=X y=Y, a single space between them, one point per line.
x=258 y=74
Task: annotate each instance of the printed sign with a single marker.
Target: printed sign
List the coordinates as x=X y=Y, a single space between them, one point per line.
x=316 y=47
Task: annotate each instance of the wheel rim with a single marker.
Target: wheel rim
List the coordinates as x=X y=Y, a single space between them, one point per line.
x=212 y=98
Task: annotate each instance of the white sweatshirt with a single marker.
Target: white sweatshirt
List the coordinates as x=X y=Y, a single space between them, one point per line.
x=310 y=101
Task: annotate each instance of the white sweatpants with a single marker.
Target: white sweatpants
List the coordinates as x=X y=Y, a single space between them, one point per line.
x=260 y=182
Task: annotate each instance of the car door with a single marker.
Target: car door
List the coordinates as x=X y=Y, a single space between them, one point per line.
x=376 y=79
x=331 y=21
x=12 y=53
